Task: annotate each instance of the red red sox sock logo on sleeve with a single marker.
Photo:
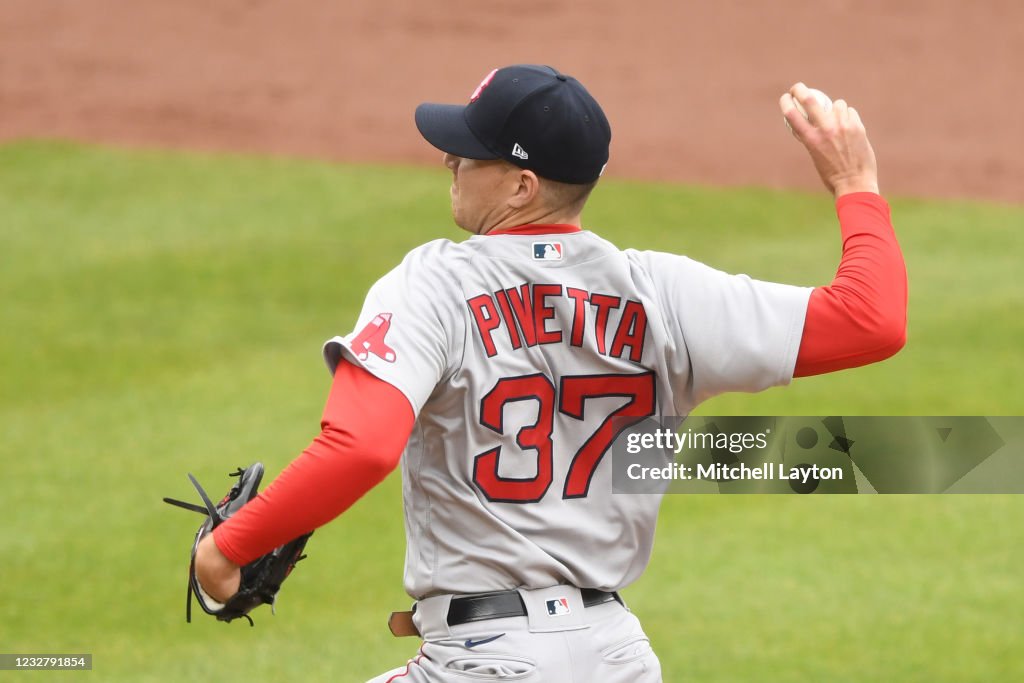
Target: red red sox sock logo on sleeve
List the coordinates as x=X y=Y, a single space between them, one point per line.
x=371 y=339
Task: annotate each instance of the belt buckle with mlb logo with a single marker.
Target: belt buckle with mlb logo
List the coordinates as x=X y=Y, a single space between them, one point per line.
x=547 y=251
x=558 y=607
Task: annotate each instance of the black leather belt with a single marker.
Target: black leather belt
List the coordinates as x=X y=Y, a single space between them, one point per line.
x=504 y=604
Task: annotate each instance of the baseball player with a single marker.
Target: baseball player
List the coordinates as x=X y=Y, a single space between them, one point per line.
x=494 y=370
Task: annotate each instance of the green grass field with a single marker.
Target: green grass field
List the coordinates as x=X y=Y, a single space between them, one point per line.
x=164 y=312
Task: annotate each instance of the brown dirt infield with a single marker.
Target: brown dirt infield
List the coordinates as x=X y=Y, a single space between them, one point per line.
x=690 y=88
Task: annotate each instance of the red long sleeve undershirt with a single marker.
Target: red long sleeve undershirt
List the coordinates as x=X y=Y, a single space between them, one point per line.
x=365 y=425
x=858 y=319
x=861 y=317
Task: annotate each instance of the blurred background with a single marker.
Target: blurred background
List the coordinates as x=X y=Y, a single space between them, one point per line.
x=691 y=88
x=194 y=196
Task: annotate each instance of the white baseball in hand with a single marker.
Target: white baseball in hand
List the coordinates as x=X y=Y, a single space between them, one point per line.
x=823 y=100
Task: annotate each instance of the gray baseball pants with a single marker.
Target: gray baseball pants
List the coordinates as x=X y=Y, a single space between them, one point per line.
x=599 y=644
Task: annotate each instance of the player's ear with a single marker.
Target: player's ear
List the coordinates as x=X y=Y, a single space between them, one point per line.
x=527 y=189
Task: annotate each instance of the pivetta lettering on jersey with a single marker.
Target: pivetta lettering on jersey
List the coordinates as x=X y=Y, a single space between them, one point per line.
x=523 y=314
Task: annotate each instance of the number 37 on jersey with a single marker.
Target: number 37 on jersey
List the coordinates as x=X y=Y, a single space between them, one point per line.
x=637 y=394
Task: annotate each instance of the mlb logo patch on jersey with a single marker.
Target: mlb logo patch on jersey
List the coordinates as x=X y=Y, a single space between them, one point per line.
x=558 y=607
x=547 y=251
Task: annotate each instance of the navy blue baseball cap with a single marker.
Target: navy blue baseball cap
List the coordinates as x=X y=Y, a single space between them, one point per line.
x=531 y=116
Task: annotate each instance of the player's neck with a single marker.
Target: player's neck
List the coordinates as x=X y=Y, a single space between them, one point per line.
x=538 y=217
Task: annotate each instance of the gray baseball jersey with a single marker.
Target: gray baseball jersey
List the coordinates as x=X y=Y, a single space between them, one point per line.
x=516 y=351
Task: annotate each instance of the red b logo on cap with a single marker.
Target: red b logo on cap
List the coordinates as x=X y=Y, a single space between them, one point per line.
x=480 y=88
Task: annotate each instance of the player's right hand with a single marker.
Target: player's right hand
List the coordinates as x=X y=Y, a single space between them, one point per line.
x=836 y=140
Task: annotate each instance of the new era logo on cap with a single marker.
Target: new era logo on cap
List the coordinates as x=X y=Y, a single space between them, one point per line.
x=547 y=251
x=518 y=151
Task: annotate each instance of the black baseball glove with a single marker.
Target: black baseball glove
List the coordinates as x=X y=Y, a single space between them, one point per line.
x=261 y=578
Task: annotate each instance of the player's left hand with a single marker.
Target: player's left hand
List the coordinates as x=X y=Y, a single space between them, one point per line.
x=221 y=587
x=836 y=140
